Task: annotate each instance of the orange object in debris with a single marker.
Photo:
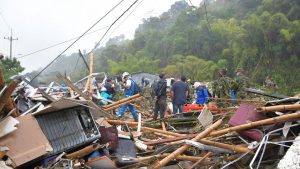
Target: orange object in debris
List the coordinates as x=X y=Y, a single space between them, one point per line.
x=198 y=107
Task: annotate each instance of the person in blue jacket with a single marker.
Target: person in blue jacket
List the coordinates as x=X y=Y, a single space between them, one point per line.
x=201 y=93
x=128 y=85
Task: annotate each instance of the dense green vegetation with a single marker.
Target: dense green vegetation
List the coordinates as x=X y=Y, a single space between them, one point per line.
x=10 y=67
x=261 y=36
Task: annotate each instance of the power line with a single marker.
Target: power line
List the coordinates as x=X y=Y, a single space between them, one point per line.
x=124 y=20
x=4 y=20
x=114 y=29
x=76 y=40
x=57 y=44
x=191 y=2
x=113 y=24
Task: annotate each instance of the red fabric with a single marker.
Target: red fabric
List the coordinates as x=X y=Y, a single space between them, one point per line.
x=198 y=107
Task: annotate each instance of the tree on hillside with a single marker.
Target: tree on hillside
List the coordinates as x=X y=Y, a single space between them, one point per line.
x=10 y=67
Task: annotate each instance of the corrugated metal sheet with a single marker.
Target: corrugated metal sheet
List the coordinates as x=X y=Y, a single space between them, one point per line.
x=68 y=128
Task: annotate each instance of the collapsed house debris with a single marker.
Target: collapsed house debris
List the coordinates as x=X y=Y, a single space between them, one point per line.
x=67 y=128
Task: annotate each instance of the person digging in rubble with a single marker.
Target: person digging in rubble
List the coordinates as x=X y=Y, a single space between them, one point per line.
x=179 y=93
x=243 y=82
x=110 y=87
x=104 y=94
x=128 y=86
x=201 y=93
x=160 y=91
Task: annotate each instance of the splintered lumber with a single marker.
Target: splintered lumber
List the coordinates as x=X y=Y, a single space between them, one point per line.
x=236 y=148
x=83 y=152
x=180 y=150
x=134 y=124
x=250 y=125
x=90 y=84
x=278 y=108
x=163 y=125
x=199 y=161
x=44 y=94
x=72 y=86
x=2 y=154
x=2 y=81
x=9 y=106
x=179 y=157
x=121 y=104
x=7 y=93
x=162 y=135
x=122 y=101
x=119 y=122
x=161 y=131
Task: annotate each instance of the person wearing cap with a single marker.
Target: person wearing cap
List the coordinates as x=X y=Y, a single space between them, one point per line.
x=201 y=93
x=160 y=91
x=128 y=85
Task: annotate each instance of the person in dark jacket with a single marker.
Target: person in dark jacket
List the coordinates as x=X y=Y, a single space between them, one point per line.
x=179 y=93
x=160 y=91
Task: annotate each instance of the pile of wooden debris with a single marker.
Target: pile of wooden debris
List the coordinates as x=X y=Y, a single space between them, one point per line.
x=66 y=128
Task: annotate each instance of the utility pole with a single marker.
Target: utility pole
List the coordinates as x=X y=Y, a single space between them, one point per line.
x=11 y=39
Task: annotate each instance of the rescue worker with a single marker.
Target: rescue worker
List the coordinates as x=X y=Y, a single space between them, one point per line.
x=243 y=82
x=128 y=85
x=223 y=88
x=201 y=93
x=160 y=91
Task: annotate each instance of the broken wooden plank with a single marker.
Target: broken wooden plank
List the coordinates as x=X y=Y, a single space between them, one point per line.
x=122 y=100
x=8 y=125
x=11 y=105
x=250 y=125
x=87 y=98
x=2 y=80
x=44 y=94
x=180 y=150
x=200 y=160
x=163 y=125
x=123 y=103
x=7 y=93
x=278 y=108
x=72 y=86
x=83 y=152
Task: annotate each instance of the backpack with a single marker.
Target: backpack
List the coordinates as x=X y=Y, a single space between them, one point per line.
x=159 y=88
x=136 y=88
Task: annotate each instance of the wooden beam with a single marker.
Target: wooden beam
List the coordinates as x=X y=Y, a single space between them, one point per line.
x=73 y=87
x=7 y=93
x=180 y=150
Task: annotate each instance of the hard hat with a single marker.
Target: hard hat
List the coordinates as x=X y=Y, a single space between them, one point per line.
x=103 y=89
x=125 y=74
x=196 y=84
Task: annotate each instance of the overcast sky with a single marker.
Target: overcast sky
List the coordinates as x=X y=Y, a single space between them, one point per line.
x=41 y=23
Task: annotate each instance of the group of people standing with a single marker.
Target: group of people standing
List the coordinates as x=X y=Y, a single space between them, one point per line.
x=223 y=87
x=227 y=88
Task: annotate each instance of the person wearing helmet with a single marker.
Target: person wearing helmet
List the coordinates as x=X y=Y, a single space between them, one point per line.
x=104 y=94
x=128 y=85
x=201 y=93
